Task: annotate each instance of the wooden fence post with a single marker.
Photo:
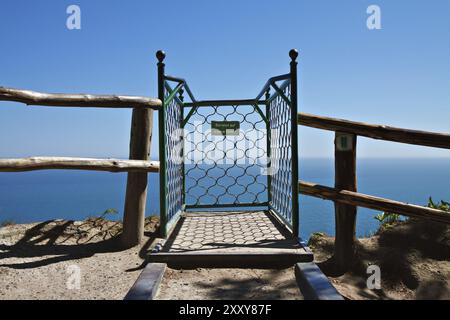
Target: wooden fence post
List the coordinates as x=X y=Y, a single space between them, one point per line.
x=345 y=215
x=136 y=194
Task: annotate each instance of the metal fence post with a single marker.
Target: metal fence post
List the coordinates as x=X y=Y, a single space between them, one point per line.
x=294 y=138
x=160 y=55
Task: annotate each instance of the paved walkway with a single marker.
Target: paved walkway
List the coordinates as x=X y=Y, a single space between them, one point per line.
x=228 y=238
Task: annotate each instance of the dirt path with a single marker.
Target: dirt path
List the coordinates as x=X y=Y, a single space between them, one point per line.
x=238 y=284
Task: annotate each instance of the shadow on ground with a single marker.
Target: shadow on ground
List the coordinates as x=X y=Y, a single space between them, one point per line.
x=229 y=283
x=231 y=288
x=57 y=241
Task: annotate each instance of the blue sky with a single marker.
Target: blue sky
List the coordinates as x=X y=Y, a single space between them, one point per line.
x=399 y=75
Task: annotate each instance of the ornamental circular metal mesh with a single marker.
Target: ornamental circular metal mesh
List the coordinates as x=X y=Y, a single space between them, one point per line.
x=225 y=168
x=281 y=154
x=174 y=156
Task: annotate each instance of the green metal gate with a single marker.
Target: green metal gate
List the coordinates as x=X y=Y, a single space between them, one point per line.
x=225 y=169
x=228 y=154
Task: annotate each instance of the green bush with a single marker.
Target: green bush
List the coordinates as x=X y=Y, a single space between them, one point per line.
x=388 y=219
x=443 y=205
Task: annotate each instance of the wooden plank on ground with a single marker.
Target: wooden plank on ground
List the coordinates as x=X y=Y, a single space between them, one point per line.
x=147 y=285
x=263 y=258
x=313 y=284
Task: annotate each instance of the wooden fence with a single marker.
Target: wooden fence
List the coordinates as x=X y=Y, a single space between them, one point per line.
x=345 y=195
x=137 y=166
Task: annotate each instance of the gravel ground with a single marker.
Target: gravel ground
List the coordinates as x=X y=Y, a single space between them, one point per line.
x=236 y=284
x=41 y=262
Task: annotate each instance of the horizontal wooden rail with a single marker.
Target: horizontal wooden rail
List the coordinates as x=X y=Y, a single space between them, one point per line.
x=49 y=163
x=371 y=202
x=422 y=138
x=33 y=98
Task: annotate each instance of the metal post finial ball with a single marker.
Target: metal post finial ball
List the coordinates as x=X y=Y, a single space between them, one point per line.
x=293 y=54
x=160 y=55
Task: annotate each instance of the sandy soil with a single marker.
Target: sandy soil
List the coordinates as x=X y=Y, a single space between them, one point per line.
x=238 y=284
x=413 y=256
x=37 y=261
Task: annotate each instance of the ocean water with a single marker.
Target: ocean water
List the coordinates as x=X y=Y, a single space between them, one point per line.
x=45 y=195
